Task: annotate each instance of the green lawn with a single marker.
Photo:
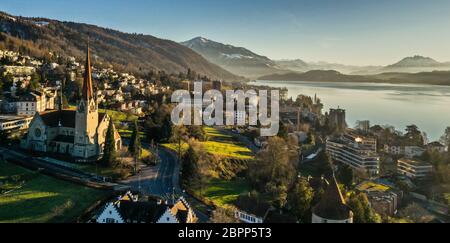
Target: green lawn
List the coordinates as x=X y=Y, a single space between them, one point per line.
x=42 y=199
x=220 y=144
x=223 y=192
x=119 y=116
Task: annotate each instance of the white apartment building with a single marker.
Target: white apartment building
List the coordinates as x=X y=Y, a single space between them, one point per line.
x=35 y=102
x=358 y=152
x=11 y=123
x=414 y=169
x=407 y=151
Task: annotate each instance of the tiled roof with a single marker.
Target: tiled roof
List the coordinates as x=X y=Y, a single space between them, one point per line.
x=275 y=217
x=67 y=118
x=52 y=118
x=332 y=204
x=253 y=206
x=141 y=212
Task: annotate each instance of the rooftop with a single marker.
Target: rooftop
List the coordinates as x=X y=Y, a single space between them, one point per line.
x=371 y=186
x=332 y=204
x=414 y=162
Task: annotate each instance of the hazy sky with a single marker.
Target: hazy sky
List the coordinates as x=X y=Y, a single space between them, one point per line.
x=345 y=31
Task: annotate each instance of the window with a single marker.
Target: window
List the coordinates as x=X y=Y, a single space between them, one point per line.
x=110 y=221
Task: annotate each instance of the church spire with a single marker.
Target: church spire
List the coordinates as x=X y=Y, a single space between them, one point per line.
x=87 y=82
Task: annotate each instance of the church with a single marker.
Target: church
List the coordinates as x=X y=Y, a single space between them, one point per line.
x=80 y=133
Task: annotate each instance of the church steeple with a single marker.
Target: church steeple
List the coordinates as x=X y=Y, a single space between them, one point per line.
x=87 y=91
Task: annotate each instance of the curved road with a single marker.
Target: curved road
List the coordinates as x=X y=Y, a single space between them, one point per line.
x=163 y=180
x=160 y=180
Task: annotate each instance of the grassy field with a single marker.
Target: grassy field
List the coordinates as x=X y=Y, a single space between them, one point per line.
x=41 y=199
x=220 y=144
x=119 y=116
x=223 y=192
x=127 y=134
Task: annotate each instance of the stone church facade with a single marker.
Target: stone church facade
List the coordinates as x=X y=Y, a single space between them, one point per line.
x=80 y=133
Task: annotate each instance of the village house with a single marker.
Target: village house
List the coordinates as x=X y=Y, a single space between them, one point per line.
x=129 y=210
x=36 y=101
x=403 y=150
x=11 y=123
x=436 y=147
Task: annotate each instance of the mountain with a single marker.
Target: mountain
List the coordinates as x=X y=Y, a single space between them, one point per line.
x=237 y=60
x=135 y=53
x=416 y=61
x=316 y=75
x=435 y=77
x=302 y=66
x=417 y=64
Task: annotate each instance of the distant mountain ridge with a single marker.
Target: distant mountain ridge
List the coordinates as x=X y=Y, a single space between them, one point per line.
x=299 y=65
x=416 y=61
x=416 y=64
x=435 y=77
x=136 y=53
x=237 y=60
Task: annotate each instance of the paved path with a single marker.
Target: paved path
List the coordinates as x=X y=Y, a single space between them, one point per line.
x=160 y=180
x=163 y=180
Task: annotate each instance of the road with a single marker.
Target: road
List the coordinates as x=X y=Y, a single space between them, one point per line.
x=163 y=180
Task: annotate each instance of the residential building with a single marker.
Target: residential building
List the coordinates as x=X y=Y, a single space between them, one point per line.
x=414 y=169
x=332 y=207
x=355 y=150
x=250 y=209
x=436 y=147
x=36 y=101
x=14 y=123
x=17 y=70
x=363 y=126
x=133 y=211
x=9 y=103
x=383 y=199
x=404 y=150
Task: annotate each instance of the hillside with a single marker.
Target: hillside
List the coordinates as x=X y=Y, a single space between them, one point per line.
x=435 y=77
x=237 y=60
x=302 y=66
x=317 y=75
x=416 y=64
x=135 y=53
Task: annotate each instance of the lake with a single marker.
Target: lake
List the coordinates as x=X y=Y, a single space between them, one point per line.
x=399 y=105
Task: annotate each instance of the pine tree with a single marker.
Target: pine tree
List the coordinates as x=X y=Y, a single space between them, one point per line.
x=135 y=145
x=135 y=141
x=109 y=156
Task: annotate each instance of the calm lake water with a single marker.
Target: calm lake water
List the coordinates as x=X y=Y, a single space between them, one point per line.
x=399 y=105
